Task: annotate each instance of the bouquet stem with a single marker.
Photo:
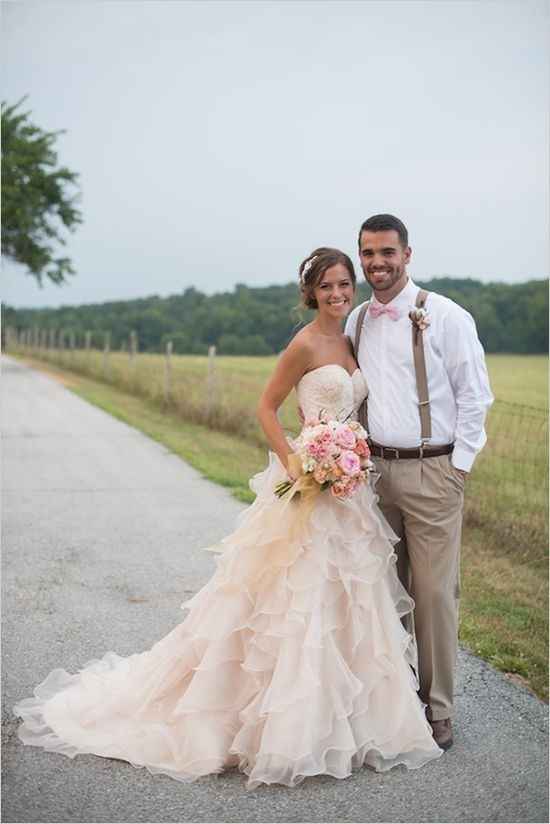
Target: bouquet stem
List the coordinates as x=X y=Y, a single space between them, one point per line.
x=283 y=487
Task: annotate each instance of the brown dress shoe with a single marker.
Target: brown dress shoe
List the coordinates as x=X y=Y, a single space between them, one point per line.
x=442 y=733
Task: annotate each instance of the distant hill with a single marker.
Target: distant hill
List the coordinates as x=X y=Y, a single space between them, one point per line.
x=260 y=321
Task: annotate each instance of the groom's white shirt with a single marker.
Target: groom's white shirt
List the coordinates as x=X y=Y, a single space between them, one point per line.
x=458 y=383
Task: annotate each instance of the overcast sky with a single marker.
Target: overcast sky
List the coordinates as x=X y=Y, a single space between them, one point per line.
x=219 y=142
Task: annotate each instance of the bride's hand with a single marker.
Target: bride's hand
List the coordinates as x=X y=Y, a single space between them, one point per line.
x=293 y=466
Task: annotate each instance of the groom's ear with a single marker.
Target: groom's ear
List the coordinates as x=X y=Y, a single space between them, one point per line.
x=407 y=253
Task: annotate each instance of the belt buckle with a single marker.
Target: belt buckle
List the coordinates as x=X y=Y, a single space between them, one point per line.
x=390 y=449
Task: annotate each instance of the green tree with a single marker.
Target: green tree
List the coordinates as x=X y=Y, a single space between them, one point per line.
x=262 y=320
x=36 y=201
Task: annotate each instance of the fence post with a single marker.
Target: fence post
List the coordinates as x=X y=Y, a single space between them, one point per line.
x=132 y=352
x=168 y=372
x=88 y=347
x=72 y=345
x=106 y=349
x=211 y=381
x=133 y=346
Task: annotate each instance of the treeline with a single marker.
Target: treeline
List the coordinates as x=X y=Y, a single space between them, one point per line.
x=260 y=321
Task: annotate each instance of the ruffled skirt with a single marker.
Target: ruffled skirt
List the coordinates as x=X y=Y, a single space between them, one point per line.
x=292 y=660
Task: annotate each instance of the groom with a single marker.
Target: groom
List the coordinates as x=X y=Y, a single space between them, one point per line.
x=428 y=397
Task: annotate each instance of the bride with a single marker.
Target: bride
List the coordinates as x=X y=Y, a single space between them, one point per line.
x=293 y=660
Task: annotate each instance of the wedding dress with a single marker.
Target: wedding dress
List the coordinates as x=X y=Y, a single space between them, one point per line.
x=292 y=660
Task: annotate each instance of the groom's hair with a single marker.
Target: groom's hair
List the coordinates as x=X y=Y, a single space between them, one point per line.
x=385 y=223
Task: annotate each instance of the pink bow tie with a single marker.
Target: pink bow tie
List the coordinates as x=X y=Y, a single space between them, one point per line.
x=377 y=309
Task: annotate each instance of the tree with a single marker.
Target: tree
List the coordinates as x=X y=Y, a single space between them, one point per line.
x=36 y=202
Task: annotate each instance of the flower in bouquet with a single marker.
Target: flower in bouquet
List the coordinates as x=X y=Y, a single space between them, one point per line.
x=349 y=463
x=330 y=454
x=320 y=448
x=345 y=437
x=345 y=487
x=362 y=448
x=321 y=473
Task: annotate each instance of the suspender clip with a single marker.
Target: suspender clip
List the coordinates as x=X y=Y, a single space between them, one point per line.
x=423 y=444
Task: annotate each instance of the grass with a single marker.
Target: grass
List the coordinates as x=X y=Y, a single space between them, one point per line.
x=520 y=379
x=504 y=612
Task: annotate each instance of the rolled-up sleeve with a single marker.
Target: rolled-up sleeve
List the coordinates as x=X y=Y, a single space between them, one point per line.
x=465 y=365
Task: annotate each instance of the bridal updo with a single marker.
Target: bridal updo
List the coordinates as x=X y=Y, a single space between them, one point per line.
x=314 y=267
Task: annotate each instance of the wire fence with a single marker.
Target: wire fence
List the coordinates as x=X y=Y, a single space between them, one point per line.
x=508 y=489
x=507 y=493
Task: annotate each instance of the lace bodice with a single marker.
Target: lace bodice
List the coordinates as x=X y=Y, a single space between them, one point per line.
x=332 y=389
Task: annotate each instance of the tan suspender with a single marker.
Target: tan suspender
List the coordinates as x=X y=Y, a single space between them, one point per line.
x=421 y=375
x=362 y=412
x=359 y=327
x=419 y=369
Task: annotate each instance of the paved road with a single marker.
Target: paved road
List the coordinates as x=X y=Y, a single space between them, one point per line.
x=102 y=532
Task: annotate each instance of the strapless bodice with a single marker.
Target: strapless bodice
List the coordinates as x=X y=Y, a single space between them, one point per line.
x=331 y=389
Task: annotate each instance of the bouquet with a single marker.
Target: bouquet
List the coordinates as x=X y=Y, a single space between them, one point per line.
x=331 y=455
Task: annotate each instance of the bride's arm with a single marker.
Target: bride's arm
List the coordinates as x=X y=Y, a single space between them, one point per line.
x=291 y=366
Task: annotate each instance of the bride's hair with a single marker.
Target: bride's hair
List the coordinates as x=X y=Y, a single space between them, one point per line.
x=314 y=267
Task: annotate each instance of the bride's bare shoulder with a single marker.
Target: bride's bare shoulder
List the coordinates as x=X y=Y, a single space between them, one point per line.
x=302 y=343
x=297 y=357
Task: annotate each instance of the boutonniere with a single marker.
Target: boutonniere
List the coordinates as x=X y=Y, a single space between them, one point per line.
x=420 y=319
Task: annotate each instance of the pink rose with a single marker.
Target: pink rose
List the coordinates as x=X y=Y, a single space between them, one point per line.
x=338 y=489
x=335 y=473
x=319 y=448
x=346 y=487
x=344 y=437
x=350 y=463
x=362 y=448
x=320 y=475
x=312 y=449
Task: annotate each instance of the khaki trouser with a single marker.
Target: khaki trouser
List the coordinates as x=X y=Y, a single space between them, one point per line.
x=423 y=502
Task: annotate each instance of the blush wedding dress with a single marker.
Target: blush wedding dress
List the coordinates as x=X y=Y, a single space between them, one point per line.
x=292 y=661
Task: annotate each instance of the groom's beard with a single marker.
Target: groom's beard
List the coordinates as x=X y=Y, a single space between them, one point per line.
x=380 y=284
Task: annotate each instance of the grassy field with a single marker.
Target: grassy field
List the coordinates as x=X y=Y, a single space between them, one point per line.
x=520 y=379
x=504 y=561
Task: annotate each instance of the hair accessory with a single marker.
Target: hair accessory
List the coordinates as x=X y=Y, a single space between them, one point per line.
x=307 y=266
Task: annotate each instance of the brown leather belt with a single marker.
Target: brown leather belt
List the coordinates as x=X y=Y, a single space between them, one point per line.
x=390 y=453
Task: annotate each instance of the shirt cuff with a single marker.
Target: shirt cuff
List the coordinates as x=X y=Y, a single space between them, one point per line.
x=463 y=459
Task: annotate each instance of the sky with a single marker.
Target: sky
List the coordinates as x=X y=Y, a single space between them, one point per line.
x=219 y=142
